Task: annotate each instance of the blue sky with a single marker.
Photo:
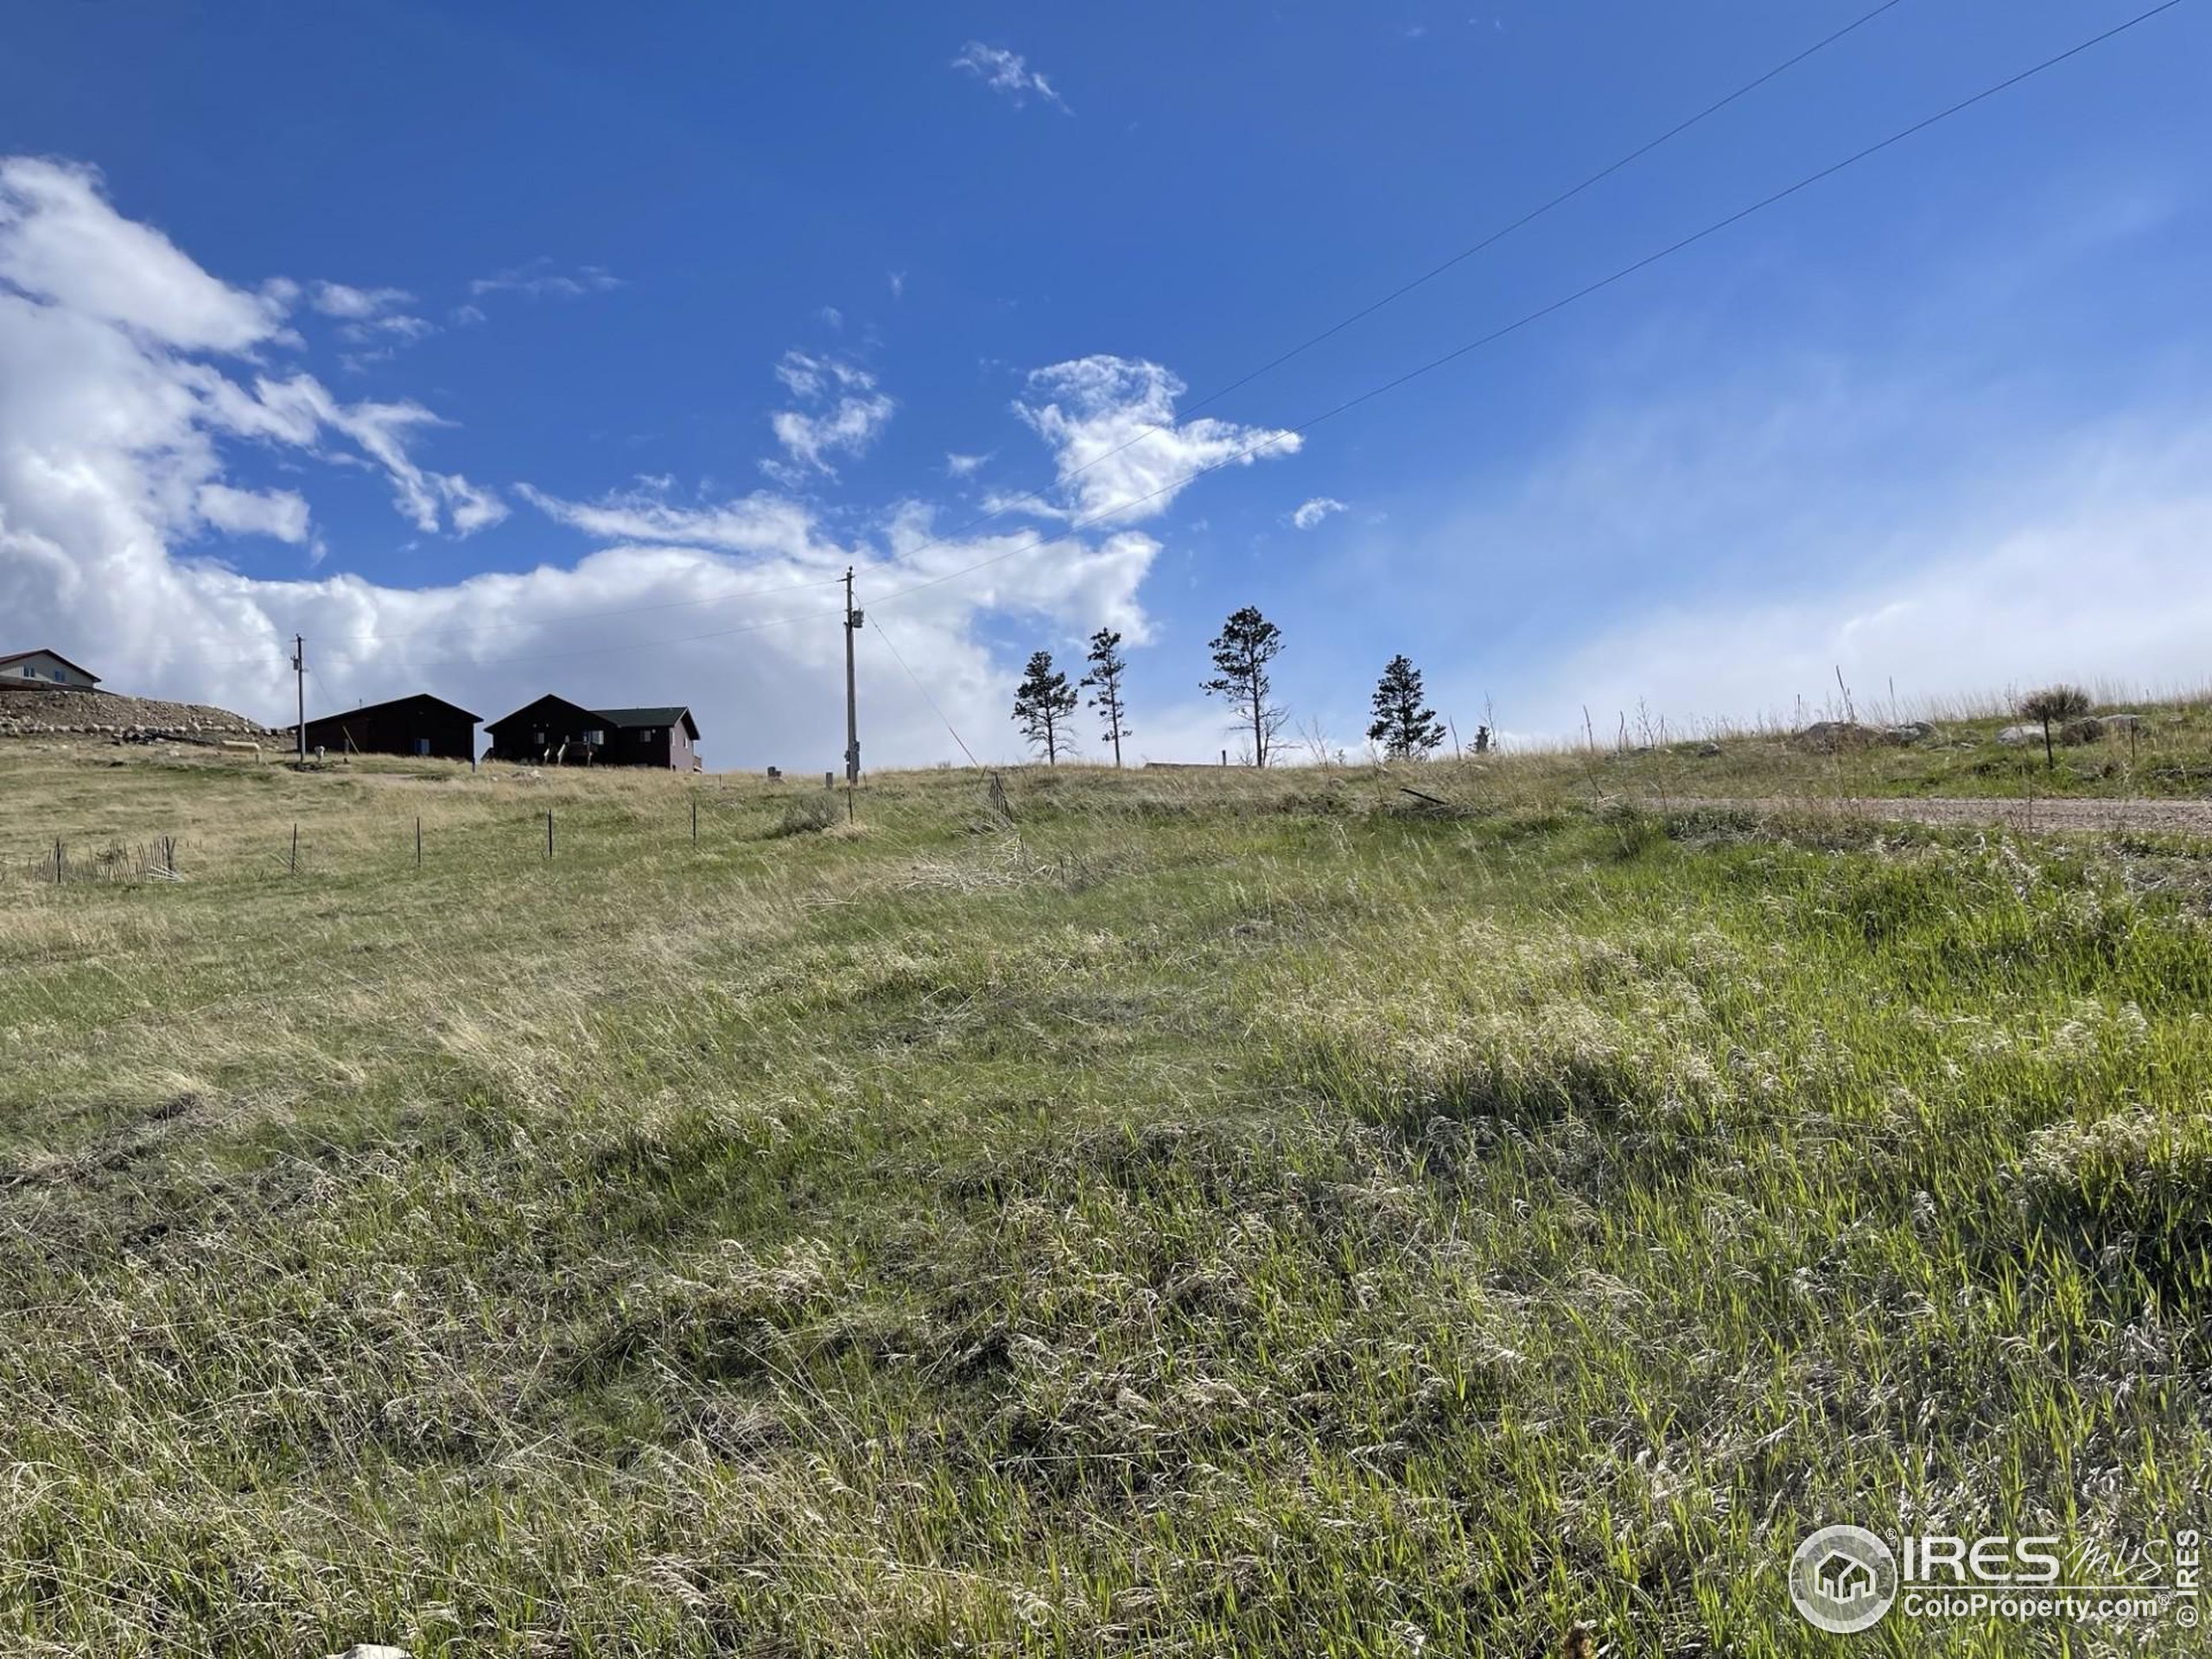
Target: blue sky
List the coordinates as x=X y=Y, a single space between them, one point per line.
x=503 y=349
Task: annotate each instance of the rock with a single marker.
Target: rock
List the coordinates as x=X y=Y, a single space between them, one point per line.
x=371 y=1651
x=1908 y=732
x=2088 y=729
x=1826 y=736
x=2013 y=737
x=1707 y=751
x=2119 y=724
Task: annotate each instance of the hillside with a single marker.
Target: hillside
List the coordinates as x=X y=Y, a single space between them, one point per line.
x=59 y=711
x=1209 y=1213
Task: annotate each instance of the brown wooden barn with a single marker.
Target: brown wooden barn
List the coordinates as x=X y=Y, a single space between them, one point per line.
x=553 y=731
x=420 y=725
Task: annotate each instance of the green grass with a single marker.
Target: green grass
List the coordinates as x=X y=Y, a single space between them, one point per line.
x=2169 y=757
x=1215 y=1214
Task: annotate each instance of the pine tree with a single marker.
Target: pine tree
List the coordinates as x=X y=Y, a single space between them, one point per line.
x=1404 y=724
x=1248 y=642
x=1042 y=703
x=1107 y=666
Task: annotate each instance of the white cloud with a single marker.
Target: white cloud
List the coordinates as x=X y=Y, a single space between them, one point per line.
x=2088 y=564
x=1007 y=71
x=1312 y=512
x=538 y=280
x=960 y=466
x=898 y=280
x=355 y=304
x=119 y=436
x=831 y=317
x=280 y=513
x=59 y=243
x=848 y=413
x=1110 y=421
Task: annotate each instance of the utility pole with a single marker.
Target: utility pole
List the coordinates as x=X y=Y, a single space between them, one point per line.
x=852 y=702
x=300 y=677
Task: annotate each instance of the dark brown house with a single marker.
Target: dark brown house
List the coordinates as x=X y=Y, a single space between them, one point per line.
x=555 y=732
x=420 y=725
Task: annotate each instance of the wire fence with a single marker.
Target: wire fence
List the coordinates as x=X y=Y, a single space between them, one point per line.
x=553 y=834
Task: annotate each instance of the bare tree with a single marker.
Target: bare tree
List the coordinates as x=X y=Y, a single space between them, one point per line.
x=1107 y=667
x=1042 y=703
x=1248 y=642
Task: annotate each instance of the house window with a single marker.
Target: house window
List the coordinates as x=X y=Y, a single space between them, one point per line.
x=595 y=737
x=422 y=746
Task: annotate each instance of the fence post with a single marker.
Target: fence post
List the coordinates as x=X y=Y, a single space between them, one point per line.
x=294 y=866
x=57 y=860
x=418 y=844
x=549 y=832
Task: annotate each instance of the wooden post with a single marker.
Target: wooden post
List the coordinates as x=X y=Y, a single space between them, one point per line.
x=295 y=866
x=549 y=832
x=57 y=860
x=418 y=844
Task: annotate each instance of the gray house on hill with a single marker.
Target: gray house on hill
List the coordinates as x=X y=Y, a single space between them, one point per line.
x=555 y=732
x=44 y=667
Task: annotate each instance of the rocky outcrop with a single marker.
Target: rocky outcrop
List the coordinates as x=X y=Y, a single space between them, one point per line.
x=1826 y=736
x=58 y=711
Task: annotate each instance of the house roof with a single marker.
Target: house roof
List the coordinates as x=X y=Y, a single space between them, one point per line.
x=43 y=651
x=394 y=703
x=619 y=719
x=537 y=703
x=624 y=719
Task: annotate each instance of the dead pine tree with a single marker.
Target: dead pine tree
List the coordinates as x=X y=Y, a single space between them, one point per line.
x=1042 y=704
x=1248 y=642
x=1104 y=681
x=1405 y=725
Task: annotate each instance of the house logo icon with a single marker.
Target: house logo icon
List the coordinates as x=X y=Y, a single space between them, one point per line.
x=1843 y=1580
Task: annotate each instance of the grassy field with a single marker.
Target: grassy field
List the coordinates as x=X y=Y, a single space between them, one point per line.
x=2169 y=756
x=1212 y=1213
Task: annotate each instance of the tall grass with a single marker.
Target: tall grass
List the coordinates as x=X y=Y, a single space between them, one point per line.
x=1210 y=1214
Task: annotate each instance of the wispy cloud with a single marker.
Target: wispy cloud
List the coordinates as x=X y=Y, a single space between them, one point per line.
x=1008 y=72
x=845 y=412
x=959 y=466
x=538 y=280
x=355 y=304
x=1311 y=512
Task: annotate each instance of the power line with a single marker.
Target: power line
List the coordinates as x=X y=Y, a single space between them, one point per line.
x=1428 y=276
x=1559 y=304
x=924 y=690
